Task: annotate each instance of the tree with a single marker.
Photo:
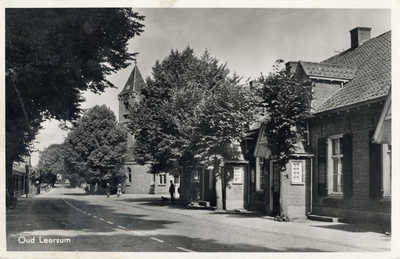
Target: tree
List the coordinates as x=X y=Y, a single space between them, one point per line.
x=97 y=142
x=287 y=103
x=180 y=70
x=52 y=56
x=51 y=163
x=192 y=111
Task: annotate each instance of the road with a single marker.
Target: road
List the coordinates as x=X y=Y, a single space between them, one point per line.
x=64 y=219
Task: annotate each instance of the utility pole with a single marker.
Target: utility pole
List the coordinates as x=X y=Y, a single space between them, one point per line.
x=27 y=181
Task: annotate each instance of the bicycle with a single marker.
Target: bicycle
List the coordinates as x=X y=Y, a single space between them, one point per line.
x=11 y=200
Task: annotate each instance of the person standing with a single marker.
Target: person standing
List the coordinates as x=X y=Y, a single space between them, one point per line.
x=119 y=189
x=172 y=191
x=108 y=189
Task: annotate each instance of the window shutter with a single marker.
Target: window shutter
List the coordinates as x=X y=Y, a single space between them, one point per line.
x=322 y=187
x=375 y=161
x=347 y=165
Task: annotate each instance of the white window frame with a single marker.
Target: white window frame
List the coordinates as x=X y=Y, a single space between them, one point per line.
x=297 y=172
x=238 y=172
x=330 y=161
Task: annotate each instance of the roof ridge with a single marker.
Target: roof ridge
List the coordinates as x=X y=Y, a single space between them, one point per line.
x=368 y=42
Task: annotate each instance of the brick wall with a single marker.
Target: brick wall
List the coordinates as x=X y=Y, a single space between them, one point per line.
x=295 y=197
x=236 y=193
x=323 y=90
x=359 y=122
x=141 y=180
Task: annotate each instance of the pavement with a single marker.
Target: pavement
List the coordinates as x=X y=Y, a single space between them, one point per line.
x=368 y=237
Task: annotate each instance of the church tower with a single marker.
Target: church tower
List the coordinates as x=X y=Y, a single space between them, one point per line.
x=138 y=181
x=128 y=96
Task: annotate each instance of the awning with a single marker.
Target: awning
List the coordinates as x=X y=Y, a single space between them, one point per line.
x=18 y=170
x=383 y=131
x=262 y=149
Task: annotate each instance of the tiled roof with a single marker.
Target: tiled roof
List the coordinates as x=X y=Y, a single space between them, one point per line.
x=328 y=70
x=135 y=82
x=373 y=77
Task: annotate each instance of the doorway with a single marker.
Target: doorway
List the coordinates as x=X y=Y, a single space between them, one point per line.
x=275 y=192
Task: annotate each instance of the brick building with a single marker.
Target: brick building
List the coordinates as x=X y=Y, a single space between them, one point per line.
x=278 y=192
x=351 y=176
x=339 y=170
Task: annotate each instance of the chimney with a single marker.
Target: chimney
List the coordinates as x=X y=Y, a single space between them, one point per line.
x=291 y=67
x=359 y=35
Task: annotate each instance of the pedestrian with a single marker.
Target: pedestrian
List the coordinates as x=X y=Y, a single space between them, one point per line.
x=108 y=189
x=119 y=189
x=172 y=191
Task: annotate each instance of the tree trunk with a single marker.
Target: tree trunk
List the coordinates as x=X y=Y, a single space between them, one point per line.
x=218 y=190
x=183 y=197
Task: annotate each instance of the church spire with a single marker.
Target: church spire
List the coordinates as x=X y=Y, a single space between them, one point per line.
x=135 y=82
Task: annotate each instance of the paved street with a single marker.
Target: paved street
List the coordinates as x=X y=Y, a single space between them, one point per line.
x=64 y=219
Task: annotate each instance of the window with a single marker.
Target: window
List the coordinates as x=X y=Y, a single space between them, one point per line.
x=163 y=179
x=297 y=172
x=335 y=168
x=335 y=165
x=126 y=104
x=195 y=176
x=238 y=175
x=129 y=174
x=176 y=179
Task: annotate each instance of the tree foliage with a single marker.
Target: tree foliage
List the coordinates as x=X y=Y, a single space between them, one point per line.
x=286 y=103
x=54 y=54
x=191 y=110
x=51 y=163
x=96 y=144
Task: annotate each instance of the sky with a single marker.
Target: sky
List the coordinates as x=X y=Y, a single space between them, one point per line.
x=248 y=40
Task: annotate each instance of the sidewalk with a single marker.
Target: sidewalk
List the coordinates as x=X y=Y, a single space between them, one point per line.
x=369 y=237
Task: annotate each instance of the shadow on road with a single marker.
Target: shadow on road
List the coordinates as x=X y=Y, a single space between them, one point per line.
x=155 y=202
x=46 y=218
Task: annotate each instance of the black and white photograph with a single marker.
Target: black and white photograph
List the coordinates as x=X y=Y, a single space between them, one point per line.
x=253 y=129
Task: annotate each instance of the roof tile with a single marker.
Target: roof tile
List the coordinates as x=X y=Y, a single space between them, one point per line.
x=328 y=70
x=371 y=80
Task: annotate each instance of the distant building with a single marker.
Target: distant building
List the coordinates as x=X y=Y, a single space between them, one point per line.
x=20 y=174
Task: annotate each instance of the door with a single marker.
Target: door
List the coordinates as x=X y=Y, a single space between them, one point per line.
x=275 y=189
